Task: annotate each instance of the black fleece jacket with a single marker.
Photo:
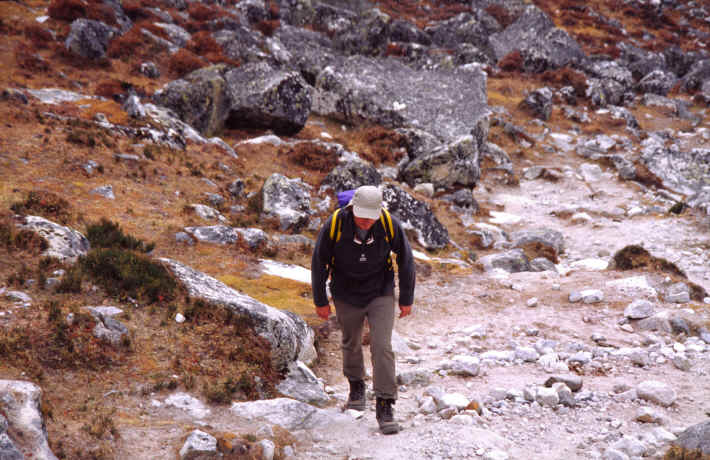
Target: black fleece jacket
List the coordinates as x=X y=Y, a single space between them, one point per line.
x=360 y=271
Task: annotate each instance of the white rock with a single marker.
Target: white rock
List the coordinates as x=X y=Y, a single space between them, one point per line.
x=455 y=400
x=639 y=309
x=547 y=397
x=592 y=296
x=527 y=354
x=189 y=404
x=268 y=449
x=179 y=318
x=590 y=265
x=199 y=445
x=656 y=392
x=463 y=419
x=630 y=446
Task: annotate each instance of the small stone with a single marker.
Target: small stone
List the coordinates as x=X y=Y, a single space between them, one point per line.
x=532 y=303
x=179 y=318
x=639 y=309
x=656 y=392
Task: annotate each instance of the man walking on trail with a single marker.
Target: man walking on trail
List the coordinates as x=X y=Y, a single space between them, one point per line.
x=354 y=247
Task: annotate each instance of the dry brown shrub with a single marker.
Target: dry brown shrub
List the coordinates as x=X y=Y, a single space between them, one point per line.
x=268 y=27
x=46 y=204
x=566 y=77
x=135 y=10
x=110 y=89
x=645 y=176
x=202 y=12
x=68 y=10
x=184 y=62
x=386 y=146
x=28 y=59
x=312 y=156
x=501 y=14
x=533 y=250
x=38 y=35
x=203 y=43
x=511 y=62
x=394 y=49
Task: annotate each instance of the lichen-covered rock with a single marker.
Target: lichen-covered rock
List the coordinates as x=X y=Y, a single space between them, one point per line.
x=290 y=337
x=542 y=242
x=697 y=75
x=416 y=215
x=541 y=45
x=264 y=97
x=446 y=104
x=65 y=243
x=539 y=103
x=199 y=446
x=512 y=261
x=88 y=38
x=215 y=234
x=657 y=82
x=639 y=61
x=683 y=171
x=310 y=51
x=302 y=384
x=286 y=199
x=242 y=43
x=367 y=36
x=455 y=164
x=352 y=174
x=200 y=98
x=20 y=403
x=465 y=28
x=694 y=443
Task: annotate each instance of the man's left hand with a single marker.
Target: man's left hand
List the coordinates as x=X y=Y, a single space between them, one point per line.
x=405 y=310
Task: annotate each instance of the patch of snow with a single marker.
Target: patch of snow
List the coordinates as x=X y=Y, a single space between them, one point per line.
x=292 y=272
x=504 y=218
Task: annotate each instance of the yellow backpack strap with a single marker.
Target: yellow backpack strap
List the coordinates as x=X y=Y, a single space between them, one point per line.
x=386 y=220
x=336 y=227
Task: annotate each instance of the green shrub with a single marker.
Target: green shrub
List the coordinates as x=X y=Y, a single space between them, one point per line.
x=71 y=281
x=107 y=234
x=126 y=273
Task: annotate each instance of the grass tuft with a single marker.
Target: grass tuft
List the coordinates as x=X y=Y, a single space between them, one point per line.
x=126 y=273
x=45 y=204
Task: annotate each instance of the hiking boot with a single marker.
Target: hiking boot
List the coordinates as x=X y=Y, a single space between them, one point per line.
x=356 y=398
x=385 y=416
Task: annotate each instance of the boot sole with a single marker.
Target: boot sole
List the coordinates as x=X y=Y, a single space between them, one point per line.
x=389 y=428
x=356 y=405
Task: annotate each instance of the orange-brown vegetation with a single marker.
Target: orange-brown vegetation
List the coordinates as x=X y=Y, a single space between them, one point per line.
x=40 y=36
x=203 y=44
x=184 y=62
x=566 y=77
x=511 y=62
x=29 y=60
x=385 y=146
x=394 y=49
x=68 y=10
x=46 y=204
x=268 y=26
x=203 y=12
x=312 y=156
x=501 y=14
x=422 y=13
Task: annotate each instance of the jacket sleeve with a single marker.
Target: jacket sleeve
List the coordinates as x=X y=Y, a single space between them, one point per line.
x=320 y=266
x=405 y=264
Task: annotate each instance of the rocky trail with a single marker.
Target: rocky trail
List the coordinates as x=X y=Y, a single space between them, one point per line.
x=477 y=360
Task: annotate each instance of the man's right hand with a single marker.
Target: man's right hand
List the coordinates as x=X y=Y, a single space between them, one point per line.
x=324 y=311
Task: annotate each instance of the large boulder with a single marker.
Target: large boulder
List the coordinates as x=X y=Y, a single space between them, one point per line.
x=352 y=174
x=368 y=35
x=447 y=104
x=697 y=75
x=200 y=99
x=310 y=51
x=641 y=62
x=264 y=97
x=455 y=164
x=694 y=442
x=88 y=38
x=302 y=384
x=541 y=45
x=291 y=414
x=21 y=417
x=290 y=337
x=657 y=82
x=415 y=215
x=683 y=171
x=465 y=28
x=65 y=243
x=286 y=199
x=512 y=261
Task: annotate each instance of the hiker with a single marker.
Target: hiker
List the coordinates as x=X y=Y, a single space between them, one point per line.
x=354 y=247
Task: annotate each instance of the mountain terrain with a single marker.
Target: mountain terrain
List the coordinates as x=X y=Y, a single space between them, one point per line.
x=166 y=165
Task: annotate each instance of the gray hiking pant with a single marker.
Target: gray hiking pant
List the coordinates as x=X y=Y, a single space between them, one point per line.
x=380 y=315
